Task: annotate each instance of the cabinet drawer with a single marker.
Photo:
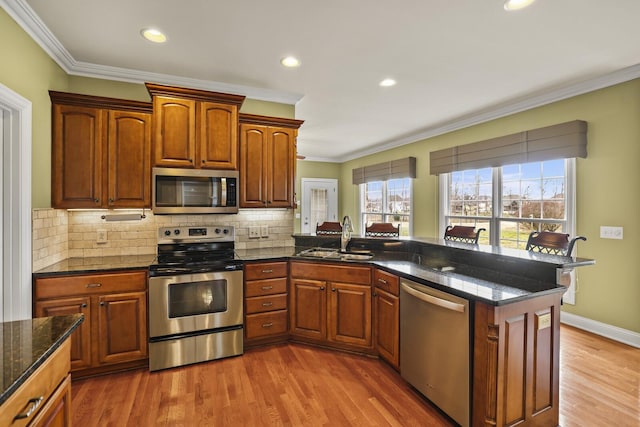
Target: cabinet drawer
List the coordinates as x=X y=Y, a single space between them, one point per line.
x=265 y=270
x=265 y=324
x=256 y=288
x=65 y=286
x=331 y=272
x=387 y=281
x=41 y=384
x=266 y=303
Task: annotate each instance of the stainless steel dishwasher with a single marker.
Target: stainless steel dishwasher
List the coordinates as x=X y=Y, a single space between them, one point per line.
x=434 y=347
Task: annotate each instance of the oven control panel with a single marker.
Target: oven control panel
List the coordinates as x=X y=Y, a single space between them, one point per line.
x=212 y=233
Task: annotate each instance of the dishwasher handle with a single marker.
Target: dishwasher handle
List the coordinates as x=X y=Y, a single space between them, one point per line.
x=449 y=305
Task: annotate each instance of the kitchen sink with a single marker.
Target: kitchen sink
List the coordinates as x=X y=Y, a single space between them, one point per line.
x=331 y=253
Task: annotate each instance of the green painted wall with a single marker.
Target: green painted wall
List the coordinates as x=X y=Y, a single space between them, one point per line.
x=607 y=192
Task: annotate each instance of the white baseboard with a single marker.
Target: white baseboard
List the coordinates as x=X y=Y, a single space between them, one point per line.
x=612 y=332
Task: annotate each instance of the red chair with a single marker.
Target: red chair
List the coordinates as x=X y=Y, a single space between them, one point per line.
x=382 y=229
x=328 y=228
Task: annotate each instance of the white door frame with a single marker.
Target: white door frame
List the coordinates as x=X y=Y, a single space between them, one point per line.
x=16 y=212
x=304 y=201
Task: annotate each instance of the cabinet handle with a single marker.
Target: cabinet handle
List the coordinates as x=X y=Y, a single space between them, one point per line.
x=384 y=282
x=267 y=271
x=267 y=325
x=33 y=405
x=266 y=288
x=267 y=304
x=93 y=285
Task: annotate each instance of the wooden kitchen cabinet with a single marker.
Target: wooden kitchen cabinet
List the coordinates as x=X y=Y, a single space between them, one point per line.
x=51 y=383
x=266 y=303
x=114 y=334
x=387 y=316
x=194 y=128
x=100 y=152
x=330 y=304
x=267 y=161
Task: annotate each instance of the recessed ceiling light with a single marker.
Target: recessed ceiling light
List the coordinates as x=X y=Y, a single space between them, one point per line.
x=153 y=35
x=290 y=62
x=516 y=4
x=387 y=82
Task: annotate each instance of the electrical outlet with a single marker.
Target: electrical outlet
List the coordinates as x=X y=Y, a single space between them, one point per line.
x=101 y=236
x=264 y=231
x=607 y=232
x=254 y=232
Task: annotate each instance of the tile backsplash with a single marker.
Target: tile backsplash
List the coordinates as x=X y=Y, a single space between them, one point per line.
x=59 y=234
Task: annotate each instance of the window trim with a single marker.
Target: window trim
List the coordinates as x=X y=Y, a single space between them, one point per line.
x=444 y=180
x=384 y=195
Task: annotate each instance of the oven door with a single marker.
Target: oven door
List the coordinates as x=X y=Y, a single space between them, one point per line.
x=188 y=303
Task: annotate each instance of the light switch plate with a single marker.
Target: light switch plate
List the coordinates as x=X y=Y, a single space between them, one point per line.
x=264 y=231
x=608 y=232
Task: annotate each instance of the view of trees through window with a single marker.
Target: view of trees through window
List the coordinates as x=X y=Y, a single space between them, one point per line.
x=387 y=201
x=517 y=199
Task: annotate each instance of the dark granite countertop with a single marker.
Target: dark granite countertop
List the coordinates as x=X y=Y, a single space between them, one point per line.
x=26 y=344
x=96 y=265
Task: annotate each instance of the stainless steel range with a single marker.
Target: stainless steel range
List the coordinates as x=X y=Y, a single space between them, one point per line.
x=195 y=297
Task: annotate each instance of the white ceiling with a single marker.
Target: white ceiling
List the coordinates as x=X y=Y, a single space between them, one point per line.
x=456 y=62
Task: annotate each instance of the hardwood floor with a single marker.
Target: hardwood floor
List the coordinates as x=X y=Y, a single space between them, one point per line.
x=292 y=385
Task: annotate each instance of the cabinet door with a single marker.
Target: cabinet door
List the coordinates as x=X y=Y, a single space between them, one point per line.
x=81 y=337
x=282 y=167
x=350 y=314
x=217 y=136
x=174 y=124
x=77 y=156
x=253 y=166
x=387 y=326
x=308 y=308
x=122 y=330
x=57 y=410
x=129 y=159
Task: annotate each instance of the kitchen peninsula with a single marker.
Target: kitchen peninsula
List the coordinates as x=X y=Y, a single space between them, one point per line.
x=35 y=365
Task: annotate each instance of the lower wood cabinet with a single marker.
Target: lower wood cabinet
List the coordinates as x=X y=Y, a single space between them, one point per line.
x=331 y=304
x=266 y=302
x=114 y=334
x=44 y=399
x=387 y=316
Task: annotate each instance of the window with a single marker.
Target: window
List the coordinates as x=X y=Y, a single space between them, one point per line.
x=387 y=201
x=511 y=201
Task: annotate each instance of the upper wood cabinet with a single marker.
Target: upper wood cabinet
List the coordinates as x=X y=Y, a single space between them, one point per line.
x=100 y=152
x=267 y=161
x=194 y=128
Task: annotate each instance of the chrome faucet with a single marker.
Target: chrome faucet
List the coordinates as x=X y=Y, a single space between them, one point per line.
x=347 y=229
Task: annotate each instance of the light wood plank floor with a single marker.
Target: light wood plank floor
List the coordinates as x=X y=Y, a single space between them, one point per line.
x=292 y=385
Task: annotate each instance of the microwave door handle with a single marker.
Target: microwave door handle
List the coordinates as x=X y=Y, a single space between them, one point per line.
x=223 y=191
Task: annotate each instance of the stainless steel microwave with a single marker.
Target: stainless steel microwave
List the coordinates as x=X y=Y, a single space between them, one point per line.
x=194 y=191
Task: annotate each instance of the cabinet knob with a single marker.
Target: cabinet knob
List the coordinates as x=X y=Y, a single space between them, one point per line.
x=96 y=200
x=110 y=201
x=322 y=288
x=190 y=160
x=101 y=303
x=84 y=305
x=333 y=289
x=203 y=162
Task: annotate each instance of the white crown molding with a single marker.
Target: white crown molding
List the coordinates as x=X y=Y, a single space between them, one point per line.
x=615 y=333
x=24 y=15
x=506 y=109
